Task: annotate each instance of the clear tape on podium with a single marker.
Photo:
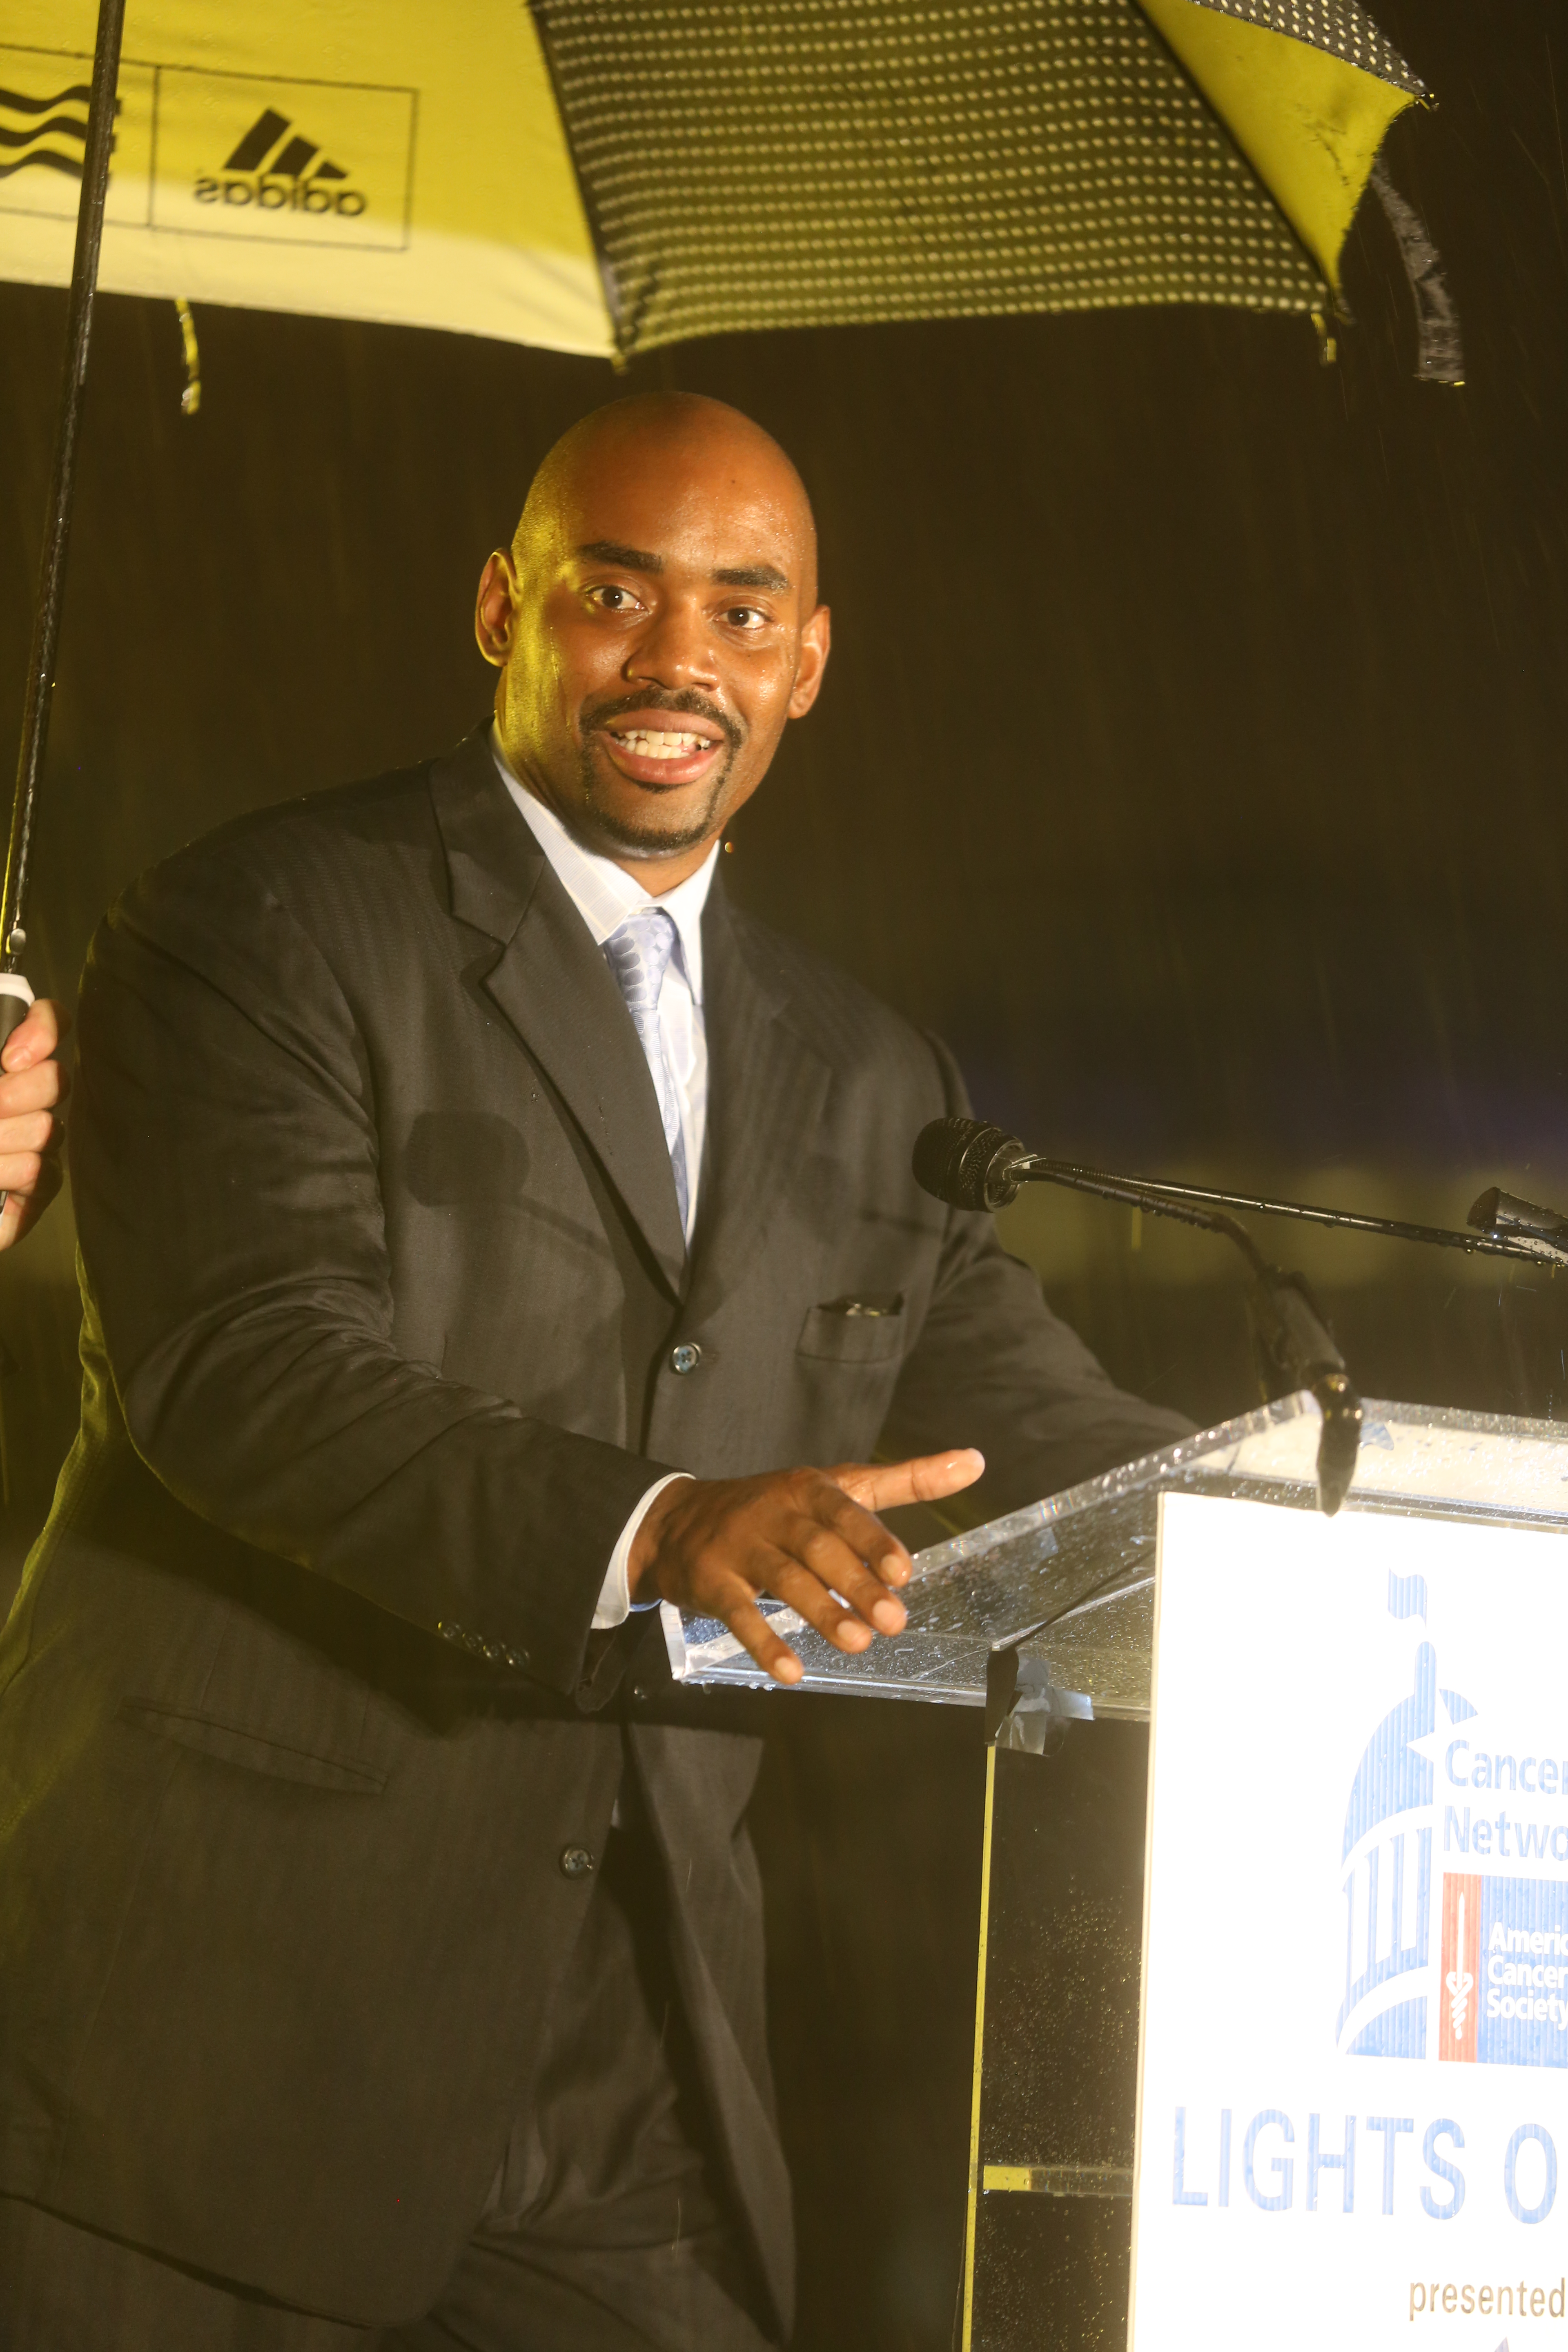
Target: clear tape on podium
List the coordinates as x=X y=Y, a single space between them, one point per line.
x=1067 y=1584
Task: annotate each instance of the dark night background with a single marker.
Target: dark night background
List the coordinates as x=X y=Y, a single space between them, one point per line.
x=1192 y=756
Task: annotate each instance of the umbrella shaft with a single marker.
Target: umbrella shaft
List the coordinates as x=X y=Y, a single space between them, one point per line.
x=40 y=684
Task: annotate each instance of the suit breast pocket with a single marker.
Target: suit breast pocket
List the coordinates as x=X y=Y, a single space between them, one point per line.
x=857 y=1330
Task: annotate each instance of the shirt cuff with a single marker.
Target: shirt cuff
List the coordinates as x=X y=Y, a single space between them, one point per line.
x=616 y=1604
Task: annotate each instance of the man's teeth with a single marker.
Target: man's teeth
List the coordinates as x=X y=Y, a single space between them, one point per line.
x=650 y=743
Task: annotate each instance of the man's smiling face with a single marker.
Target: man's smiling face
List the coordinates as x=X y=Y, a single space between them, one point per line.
x=656 y=625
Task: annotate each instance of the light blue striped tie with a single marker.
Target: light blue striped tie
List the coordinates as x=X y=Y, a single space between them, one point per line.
x=637 y=954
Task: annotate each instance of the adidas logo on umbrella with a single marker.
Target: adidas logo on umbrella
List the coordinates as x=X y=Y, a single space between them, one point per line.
x=277 y=168
x=46 y=134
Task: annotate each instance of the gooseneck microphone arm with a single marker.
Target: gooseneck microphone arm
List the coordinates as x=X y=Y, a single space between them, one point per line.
x=972 y=1166
x=992 y=1163
x=1294 y=1346
x=1531 y=1241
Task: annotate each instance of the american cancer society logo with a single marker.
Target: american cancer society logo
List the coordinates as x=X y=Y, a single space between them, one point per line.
x=1455 y=1923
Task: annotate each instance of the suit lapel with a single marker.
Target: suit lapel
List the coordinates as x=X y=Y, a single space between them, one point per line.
x=554 y=988
x=767 y=1087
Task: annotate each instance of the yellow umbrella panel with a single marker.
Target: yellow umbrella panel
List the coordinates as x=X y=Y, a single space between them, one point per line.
x=365 y=159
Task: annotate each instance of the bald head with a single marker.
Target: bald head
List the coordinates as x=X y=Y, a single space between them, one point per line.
x=655 y=626
x=675 y=436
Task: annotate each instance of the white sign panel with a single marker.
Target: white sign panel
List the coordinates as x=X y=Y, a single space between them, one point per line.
x=1353 y=2079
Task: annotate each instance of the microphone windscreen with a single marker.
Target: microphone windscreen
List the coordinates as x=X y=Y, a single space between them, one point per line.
x=965 y=1162
x=1505 y=1212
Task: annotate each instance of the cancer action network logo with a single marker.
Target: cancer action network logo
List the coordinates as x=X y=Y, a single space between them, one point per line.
x=1455 y=1926
x=1450 y=1814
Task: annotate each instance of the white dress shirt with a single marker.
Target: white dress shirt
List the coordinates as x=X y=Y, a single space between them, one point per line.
x=605 y=894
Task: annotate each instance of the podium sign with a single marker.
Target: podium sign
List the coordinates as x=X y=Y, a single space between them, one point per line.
x=1352 y=2039
x=1353 y=2121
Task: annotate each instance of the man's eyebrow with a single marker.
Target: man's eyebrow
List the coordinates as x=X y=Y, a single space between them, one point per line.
x=630 y=559
x=752 y=575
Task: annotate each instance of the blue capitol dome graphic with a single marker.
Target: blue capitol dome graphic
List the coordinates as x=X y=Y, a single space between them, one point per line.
x=1386 y=1858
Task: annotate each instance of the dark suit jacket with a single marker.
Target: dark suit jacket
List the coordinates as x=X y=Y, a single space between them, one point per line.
x=381 y=1276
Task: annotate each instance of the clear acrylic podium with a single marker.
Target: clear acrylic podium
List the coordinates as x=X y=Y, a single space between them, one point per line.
x=1045 y=1621
x=1066 y=1586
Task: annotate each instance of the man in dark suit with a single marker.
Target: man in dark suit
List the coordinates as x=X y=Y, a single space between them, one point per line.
x=477 y=1211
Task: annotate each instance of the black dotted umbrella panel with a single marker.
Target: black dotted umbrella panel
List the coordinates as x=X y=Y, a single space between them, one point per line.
x=755 y=163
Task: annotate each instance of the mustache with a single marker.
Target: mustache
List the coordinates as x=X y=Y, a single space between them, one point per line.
x=688 y=703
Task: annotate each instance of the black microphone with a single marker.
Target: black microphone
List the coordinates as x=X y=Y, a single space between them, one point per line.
x=967 y=1165
x=972 y=1166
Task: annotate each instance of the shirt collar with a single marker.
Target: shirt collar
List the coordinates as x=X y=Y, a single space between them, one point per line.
x=603 y=893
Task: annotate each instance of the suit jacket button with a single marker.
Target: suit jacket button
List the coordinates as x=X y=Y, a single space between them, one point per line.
x=686 y=1358
x=576 y=1862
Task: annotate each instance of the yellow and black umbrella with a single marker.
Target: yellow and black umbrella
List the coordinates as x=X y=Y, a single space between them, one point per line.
x=613 y=175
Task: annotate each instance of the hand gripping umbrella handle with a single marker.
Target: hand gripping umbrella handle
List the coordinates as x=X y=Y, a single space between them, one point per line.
x=16 y=1003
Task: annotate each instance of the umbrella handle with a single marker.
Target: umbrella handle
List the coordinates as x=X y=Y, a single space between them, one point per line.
x=16 y=1002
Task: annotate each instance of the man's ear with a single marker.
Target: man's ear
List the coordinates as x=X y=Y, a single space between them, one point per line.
x=494 y=608
x=815 y=643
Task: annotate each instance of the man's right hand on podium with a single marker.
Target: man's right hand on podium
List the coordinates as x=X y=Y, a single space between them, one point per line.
x=808 y=1537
